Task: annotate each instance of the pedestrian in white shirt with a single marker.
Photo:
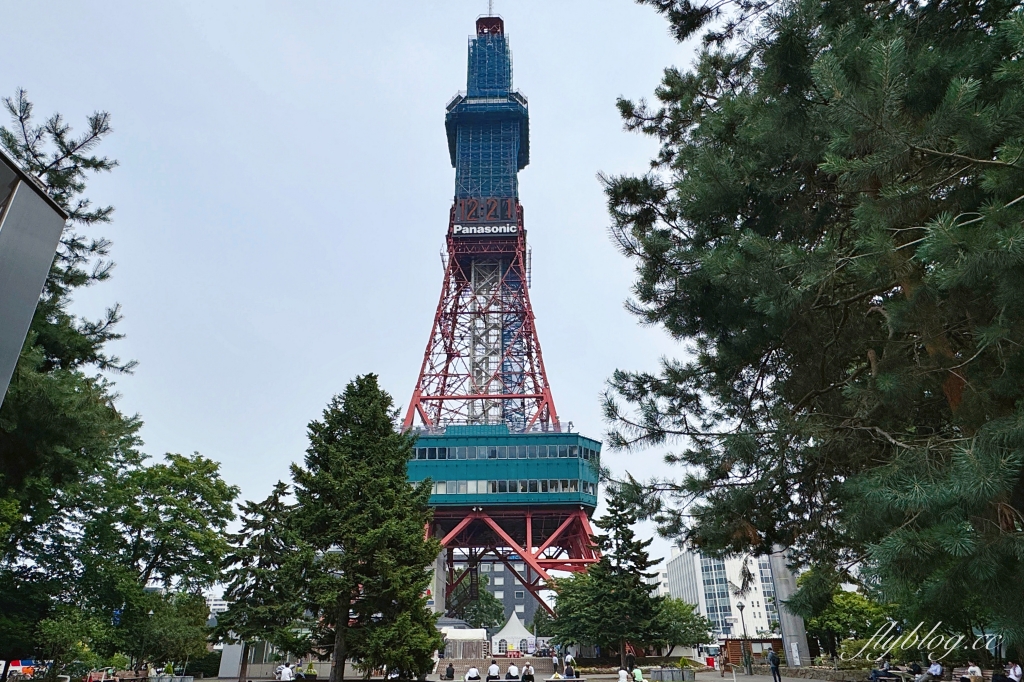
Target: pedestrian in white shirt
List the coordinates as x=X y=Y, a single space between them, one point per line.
x=513 y=672
x=473 y=674
x=287 y=673
x=493 y=671
x=623 y=675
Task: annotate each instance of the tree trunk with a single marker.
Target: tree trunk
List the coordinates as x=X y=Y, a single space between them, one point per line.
x=243 y=665
x=622 y=653
x=340 y=628
x=669 y=654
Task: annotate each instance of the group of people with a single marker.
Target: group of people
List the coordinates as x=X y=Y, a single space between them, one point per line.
x=494 y=672
x=885 y=671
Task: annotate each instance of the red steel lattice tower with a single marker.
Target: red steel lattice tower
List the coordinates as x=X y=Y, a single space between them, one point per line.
x=512 y=488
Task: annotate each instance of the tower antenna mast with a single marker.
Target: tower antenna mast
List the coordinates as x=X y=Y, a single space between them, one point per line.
x=490 y=8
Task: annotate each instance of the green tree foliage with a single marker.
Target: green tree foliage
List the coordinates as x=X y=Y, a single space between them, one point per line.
x=833 y=227
x=58 y=423
x=65 y=638
x=543 y=625
x=361 y=528
x=682 y=625
x=85 y=524
x=262 y=575
x=847 y=615
x=612 y=603
x=485 y=611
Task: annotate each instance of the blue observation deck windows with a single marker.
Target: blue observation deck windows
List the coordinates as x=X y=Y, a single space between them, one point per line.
x=554 y=485
x=508 y=452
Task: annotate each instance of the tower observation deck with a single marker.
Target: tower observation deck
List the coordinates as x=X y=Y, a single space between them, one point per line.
x=510 y=484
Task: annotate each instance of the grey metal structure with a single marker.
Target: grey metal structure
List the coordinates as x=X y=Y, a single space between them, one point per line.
x=794 y=635
x=30 y=227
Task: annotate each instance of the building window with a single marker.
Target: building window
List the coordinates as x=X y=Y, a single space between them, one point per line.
x=523 y=644
x=520 y=594
x=520 y=567
x=520 y=608
x=499 y=594
x=485 y=568
x=499 y=581
x=499 y=568
x=502 y=646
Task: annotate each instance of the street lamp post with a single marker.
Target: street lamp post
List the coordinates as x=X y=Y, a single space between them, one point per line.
x=747 y=663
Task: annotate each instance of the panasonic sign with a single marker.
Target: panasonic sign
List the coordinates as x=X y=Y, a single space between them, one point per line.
x=465 y=230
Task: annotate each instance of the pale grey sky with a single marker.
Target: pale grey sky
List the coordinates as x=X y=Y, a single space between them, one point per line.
x=283 y=195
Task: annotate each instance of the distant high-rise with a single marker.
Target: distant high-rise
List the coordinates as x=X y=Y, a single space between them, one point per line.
x=710 y=584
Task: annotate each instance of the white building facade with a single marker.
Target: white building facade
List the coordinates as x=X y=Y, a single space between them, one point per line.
x=711 y=585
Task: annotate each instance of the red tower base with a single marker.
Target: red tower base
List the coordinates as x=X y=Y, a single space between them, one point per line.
x=544 y=539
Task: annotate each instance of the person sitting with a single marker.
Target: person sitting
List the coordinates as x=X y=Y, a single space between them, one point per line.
x=973 y=673
x=493 y=671
x=934 y=672
x=914 y=668
x=623 y=675
x=449 y=672
x=638 y=675
x=472 y=674
x=1013 y=672
x=512 y=673
x=528 y=673
x=570 y=672
x=882 y=671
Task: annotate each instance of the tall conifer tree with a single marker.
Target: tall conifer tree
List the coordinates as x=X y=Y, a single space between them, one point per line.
x=363 y=526
x=834 y=226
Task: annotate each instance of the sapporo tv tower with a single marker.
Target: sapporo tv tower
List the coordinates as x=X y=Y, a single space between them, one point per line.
x=510 y=485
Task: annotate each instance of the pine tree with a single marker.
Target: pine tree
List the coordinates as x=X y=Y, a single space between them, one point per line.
x=833 y=225
x=612 y=604
x=262 y=573
x=364 y=525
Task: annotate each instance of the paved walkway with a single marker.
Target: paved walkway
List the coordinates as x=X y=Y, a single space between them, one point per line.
x=741 y=677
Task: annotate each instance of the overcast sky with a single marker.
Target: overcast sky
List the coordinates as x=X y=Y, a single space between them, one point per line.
x=283 y=194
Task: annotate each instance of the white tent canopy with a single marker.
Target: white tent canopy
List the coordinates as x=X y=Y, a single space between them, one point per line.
x=515 y=637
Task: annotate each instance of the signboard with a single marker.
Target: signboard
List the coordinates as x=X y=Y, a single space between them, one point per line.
x=30 y=228
x=795 y=654
x=486 y=210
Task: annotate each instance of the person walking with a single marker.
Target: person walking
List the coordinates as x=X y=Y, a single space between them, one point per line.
x=774 y=662
x=554 y=661
x=720 y=663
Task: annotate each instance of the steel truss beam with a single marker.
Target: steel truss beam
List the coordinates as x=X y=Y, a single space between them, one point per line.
x=483 y=362
x=544 y=539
